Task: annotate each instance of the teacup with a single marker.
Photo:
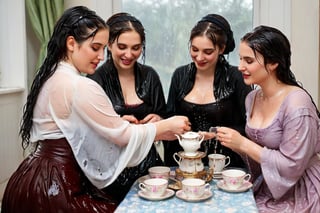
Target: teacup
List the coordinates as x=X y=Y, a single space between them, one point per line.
x=234 y=178
x=159 y=172
x=194 y=187
x=218 y=162
x=154 y=187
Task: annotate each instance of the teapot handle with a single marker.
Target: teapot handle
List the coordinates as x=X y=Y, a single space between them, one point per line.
x=178 y=136
x=175 y=155
x=201 y=138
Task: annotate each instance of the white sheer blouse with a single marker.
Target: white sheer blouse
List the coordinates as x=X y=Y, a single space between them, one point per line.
x=75 y=107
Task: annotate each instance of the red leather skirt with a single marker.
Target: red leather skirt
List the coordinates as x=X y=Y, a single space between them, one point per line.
x=50 y=180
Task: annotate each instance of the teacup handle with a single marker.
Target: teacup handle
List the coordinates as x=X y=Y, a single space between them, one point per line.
x=227 y=161
x=176 y=160
x=142 y=186
x=247 y=177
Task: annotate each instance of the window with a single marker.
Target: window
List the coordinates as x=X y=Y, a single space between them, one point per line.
x=168 y=24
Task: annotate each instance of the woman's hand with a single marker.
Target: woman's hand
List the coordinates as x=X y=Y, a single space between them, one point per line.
x=230 y=138
x=131 y=119
x=150 y=118
x=207 y=135
x=167 y=128
x=234 y=140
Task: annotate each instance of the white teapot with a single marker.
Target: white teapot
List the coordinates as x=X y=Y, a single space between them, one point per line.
x=190 y=142
x=189 y=165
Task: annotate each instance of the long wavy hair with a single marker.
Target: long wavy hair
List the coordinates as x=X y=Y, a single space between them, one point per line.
x=274 y=46
x=78 y=22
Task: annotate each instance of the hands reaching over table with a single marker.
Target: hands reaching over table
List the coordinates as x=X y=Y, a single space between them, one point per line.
x=167 y=128
x=230 y=138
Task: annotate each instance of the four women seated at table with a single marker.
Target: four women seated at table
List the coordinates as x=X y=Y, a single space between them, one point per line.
x=274 y=131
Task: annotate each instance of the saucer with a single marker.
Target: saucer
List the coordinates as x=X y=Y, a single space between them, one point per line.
x=217 y=176
x=181 y=195
x=190 y=154
x=246 y=185
x=169 y=193
x=145 y=177
x=196 y=155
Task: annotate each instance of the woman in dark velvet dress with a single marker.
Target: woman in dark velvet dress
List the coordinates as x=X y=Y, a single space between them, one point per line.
x=134 y=89
x=209 y=90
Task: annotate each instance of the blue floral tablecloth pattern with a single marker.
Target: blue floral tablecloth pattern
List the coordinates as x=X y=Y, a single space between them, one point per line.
x=221 y=201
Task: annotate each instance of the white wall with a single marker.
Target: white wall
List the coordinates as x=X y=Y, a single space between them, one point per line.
x=299 y=20
x=305 y=44
x=12 y=85
x=12 y=43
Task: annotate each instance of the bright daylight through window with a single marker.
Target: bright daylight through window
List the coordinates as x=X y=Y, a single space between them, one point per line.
x=168 y=24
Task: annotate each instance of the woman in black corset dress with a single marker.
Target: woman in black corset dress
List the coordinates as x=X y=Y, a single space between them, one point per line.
x=209 y=90
x=134 y=89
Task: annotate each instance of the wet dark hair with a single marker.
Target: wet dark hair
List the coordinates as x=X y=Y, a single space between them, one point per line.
x=274 y=46
x=79 y=22
x=124 y=22
x=217 y=29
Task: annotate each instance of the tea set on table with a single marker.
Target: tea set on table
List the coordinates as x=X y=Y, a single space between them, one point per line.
x=191 y=179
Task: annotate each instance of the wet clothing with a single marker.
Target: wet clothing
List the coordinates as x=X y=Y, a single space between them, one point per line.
x=288 y=178
x=102 y=144
x=149 y=90
x=228 y=109
x=50 y=180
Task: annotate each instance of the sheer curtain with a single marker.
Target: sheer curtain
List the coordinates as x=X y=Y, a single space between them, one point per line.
x=43 y=15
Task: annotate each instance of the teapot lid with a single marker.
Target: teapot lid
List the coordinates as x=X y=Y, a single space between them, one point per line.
x=190 y=135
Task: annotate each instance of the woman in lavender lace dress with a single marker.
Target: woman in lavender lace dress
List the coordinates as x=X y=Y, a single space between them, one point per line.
x=282 y=127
